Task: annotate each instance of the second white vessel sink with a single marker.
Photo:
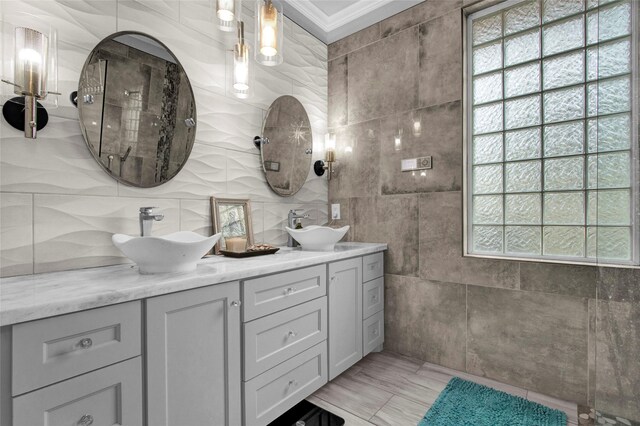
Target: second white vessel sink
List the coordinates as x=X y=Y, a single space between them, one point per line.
x=177 y=252
x=318 y=238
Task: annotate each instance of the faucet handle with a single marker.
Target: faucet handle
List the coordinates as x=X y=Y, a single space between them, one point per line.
x=147 y=209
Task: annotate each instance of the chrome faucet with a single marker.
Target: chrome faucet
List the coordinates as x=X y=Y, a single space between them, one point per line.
x=291 y=223
x=146 y=220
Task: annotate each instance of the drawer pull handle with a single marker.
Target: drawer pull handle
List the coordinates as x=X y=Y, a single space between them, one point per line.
x=289 y=291
x=86 y=343
x=85 y=420
x=293 y=383
x=333 y=278
x=236 y=303
x=292 y=333
x=375 y=332
x=374 y=297
x=373 y=266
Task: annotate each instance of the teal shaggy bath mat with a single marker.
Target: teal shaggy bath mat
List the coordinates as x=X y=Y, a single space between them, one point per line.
x=464 y=403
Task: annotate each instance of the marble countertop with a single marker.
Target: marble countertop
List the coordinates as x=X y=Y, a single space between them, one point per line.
x=31 y=297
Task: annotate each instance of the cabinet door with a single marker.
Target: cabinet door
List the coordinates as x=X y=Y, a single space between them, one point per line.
x=193 y=357
x=109 y=396
x=345 y=315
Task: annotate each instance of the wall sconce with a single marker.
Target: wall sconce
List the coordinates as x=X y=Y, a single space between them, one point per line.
x=228 y=11
x=241 y=65
x=329 y=156
x=269 y=32
x=35 y=67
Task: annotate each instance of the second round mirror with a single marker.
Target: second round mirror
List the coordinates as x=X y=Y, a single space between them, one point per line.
x=287 y=146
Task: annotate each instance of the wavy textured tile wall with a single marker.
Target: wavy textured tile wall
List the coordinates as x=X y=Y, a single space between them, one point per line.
x=58 y=208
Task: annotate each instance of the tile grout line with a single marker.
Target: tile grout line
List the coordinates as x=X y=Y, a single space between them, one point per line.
x=342 y=408
x=383 y=405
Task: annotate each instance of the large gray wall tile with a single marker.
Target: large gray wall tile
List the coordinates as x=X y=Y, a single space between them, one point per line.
x=571 y=280
x=426 y=320
x=441 y=59
x=338 y=92
x=422 y=12
x=391 y=220
x=617 y=367
x=354 y=41
x=619 y=284
x=440 y=137
x=515 y=337
x=383 y=77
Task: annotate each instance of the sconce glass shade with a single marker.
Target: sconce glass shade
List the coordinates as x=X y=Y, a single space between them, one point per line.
x=30 y=63
x=241 y=67
x=269 y=32
x=397 y=142
x=34 y=69
x=228 y=12
x=330 y=142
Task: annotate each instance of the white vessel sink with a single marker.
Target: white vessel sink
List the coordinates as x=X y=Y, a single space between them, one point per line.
x=177 y=252
x=318 y=238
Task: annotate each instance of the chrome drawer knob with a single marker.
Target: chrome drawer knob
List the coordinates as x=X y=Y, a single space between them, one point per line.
x=86 y=343
x=290 y=290
x=292 y=333
x=374 y=297
x=236 y=303
x=375 y=332
x=85 y=420
x=293 y=383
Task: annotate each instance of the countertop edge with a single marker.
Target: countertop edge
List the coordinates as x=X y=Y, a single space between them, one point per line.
x=17 y=308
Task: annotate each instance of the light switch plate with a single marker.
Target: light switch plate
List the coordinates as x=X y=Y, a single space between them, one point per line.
x=335 y=211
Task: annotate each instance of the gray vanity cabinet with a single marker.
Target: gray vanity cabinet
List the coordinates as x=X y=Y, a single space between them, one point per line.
x=193 y=357
x=345 y=315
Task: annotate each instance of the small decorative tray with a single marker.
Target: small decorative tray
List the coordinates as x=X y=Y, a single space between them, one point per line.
x=248 y=253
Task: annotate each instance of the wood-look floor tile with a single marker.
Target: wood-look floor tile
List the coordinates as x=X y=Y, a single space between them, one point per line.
x=570 y=408
x=395 y=360
x=513 y=390
x=356 y=397
x=349 y=418
x=399 y=412
x=399 y=382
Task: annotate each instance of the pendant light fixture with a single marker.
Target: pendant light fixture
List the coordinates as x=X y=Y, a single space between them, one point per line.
x=269 y=32
x=228 y=12
x=241 y=65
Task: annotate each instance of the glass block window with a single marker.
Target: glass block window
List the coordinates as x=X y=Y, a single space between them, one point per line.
x=552 y=145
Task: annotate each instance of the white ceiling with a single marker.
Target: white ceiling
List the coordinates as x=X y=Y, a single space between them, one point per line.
x=331 y=20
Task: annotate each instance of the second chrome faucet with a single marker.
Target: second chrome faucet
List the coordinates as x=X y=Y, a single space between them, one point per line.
x=146 y=220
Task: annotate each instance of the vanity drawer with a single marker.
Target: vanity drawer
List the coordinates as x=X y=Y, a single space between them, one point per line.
x=274 y=392
x=265 y=295
x=273 y=339
x=372 y=332
x=372 y=297
x=109 y=396
x=372 y=266
x=54 y=349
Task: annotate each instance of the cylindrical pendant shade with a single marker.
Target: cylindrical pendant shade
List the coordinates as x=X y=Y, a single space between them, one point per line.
x=241 y=67
x=31 y=62
x=269 y=32
x=228 y=12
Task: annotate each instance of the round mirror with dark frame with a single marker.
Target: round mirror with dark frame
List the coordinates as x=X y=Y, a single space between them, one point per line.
x=286 y=146
x=137 y=110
